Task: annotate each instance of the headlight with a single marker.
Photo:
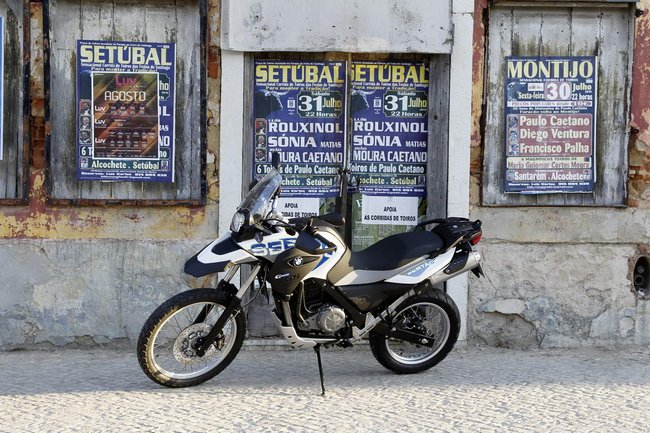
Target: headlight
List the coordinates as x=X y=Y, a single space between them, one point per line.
x=238 y=220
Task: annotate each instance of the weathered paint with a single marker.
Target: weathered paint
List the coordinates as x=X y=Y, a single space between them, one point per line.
x=544 y=31
x=478 y=64
x=639 y=184
x=179 y=22
x=389 y=26
x=38 y=220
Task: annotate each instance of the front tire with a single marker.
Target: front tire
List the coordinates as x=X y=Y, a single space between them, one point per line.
x=434 y=314
x=165 y=346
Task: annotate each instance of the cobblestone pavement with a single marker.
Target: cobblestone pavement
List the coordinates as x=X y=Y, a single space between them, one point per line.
x=585 y=390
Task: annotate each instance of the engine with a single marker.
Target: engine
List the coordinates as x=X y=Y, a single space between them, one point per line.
x=318 y=312
x=328 y=320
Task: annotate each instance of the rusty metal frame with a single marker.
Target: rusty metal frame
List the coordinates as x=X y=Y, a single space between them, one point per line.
x=203 y=18
x=26 y=114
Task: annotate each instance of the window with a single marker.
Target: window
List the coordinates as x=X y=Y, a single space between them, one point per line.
x=600 y=32
x=181 y=23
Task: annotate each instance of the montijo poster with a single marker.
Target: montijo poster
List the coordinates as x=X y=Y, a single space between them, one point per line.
x=299 y=112
x=389 y=110
x=2 y=62
x=550 y=124
x=125 y=111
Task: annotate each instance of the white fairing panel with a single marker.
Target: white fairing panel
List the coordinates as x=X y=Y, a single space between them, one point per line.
x=367 y=277
x=270 y=246
x=236 y=257
x=421 y=271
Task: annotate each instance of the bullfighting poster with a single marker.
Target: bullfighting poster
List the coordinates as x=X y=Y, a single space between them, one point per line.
x=125 y=111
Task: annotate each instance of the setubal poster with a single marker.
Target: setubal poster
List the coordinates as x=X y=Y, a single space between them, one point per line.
x=550 y=124
x=125 y=111
x=389 y=110
x=299 y=112
x=2 y=62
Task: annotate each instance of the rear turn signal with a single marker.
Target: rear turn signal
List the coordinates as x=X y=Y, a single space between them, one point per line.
x=476 y=238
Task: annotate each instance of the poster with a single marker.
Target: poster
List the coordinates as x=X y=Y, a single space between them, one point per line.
x=299 y=112
x=550 y=124
x=389 y=110
x=125 y=111
x=399 y=210
x=299 y=207
x=2 y=62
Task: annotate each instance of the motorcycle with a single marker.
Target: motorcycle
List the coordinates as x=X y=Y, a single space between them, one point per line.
x=324 y=293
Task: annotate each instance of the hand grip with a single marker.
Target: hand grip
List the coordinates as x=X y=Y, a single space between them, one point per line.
x=330 y=246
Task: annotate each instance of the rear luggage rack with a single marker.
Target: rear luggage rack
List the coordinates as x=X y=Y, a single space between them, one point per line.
x=453 y=230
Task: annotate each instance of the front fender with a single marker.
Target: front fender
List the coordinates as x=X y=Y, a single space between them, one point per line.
x=218 y=256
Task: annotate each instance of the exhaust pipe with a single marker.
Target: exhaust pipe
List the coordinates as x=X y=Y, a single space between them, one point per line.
x=473 y=260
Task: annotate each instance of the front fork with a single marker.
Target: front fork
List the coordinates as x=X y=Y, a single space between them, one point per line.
x=232 y=309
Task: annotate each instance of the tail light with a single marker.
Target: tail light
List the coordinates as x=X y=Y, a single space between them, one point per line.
x=476 y=238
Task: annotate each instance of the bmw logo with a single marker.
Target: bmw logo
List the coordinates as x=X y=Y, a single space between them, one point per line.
x=296 y=261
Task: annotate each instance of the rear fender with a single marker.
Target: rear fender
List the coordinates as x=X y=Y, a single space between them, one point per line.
x=218 y=256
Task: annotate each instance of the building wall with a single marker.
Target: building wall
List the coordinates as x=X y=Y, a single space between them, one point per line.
x=85 y=275
x=555 y=276
x=91 y=274
x=562 y=276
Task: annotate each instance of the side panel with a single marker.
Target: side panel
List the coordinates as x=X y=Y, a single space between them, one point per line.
x=421 y=271
x=289 y=269
x=270 y=246
x=357 y=277
x=220 y=250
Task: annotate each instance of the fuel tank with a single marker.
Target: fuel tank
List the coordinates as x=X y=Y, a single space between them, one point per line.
x=289 y=269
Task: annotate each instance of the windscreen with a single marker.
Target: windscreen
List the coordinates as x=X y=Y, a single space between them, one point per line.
x=258 y=199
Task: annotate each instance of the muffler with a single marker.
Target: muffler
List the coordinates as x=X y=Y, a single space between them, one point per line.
x=473 y=260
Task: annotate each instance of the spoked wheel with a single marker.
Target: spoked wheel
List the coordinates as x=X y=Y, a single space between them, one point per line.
x=166 y=344
x=434 y=315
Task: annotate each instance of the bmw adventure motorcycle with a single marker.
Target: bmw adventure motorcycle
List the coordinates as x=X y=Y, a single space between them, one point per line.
x=324 y=294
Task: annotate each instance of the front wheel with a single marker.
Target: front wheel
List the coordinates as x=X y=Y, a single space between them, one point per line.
x=435 y=315
x=166 y=344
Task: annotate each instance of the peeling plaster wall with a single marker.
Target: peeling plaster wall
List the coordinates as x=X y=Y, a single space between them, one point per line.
x=50 y=302
x=91 y=275
x=532 y=298
x=639 y=184
x=559 y=277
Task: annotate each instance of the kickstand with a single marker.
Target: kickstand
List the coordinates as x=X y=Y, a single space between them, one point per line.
x=320 y=368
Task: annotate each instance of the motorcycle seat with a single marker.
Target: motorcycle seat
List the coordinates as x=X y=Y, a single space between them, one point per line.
x=396 y=251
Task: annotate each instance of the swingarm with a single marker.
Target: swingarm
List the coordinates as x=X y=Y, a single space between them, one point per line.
x=366 y=323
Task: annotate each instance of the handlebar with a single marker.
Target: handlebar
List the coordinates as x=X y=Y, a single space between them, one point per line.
x=330 y=246
x=312 y=231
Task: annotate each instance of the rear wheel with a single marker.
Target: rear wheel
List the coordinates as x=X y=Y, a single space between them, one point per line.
x=435 y=315
x=166 y=344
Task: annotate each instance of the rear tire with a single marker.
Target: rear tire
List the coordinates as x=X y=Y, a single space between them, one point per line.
x=434 y=314
x=165 y=346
